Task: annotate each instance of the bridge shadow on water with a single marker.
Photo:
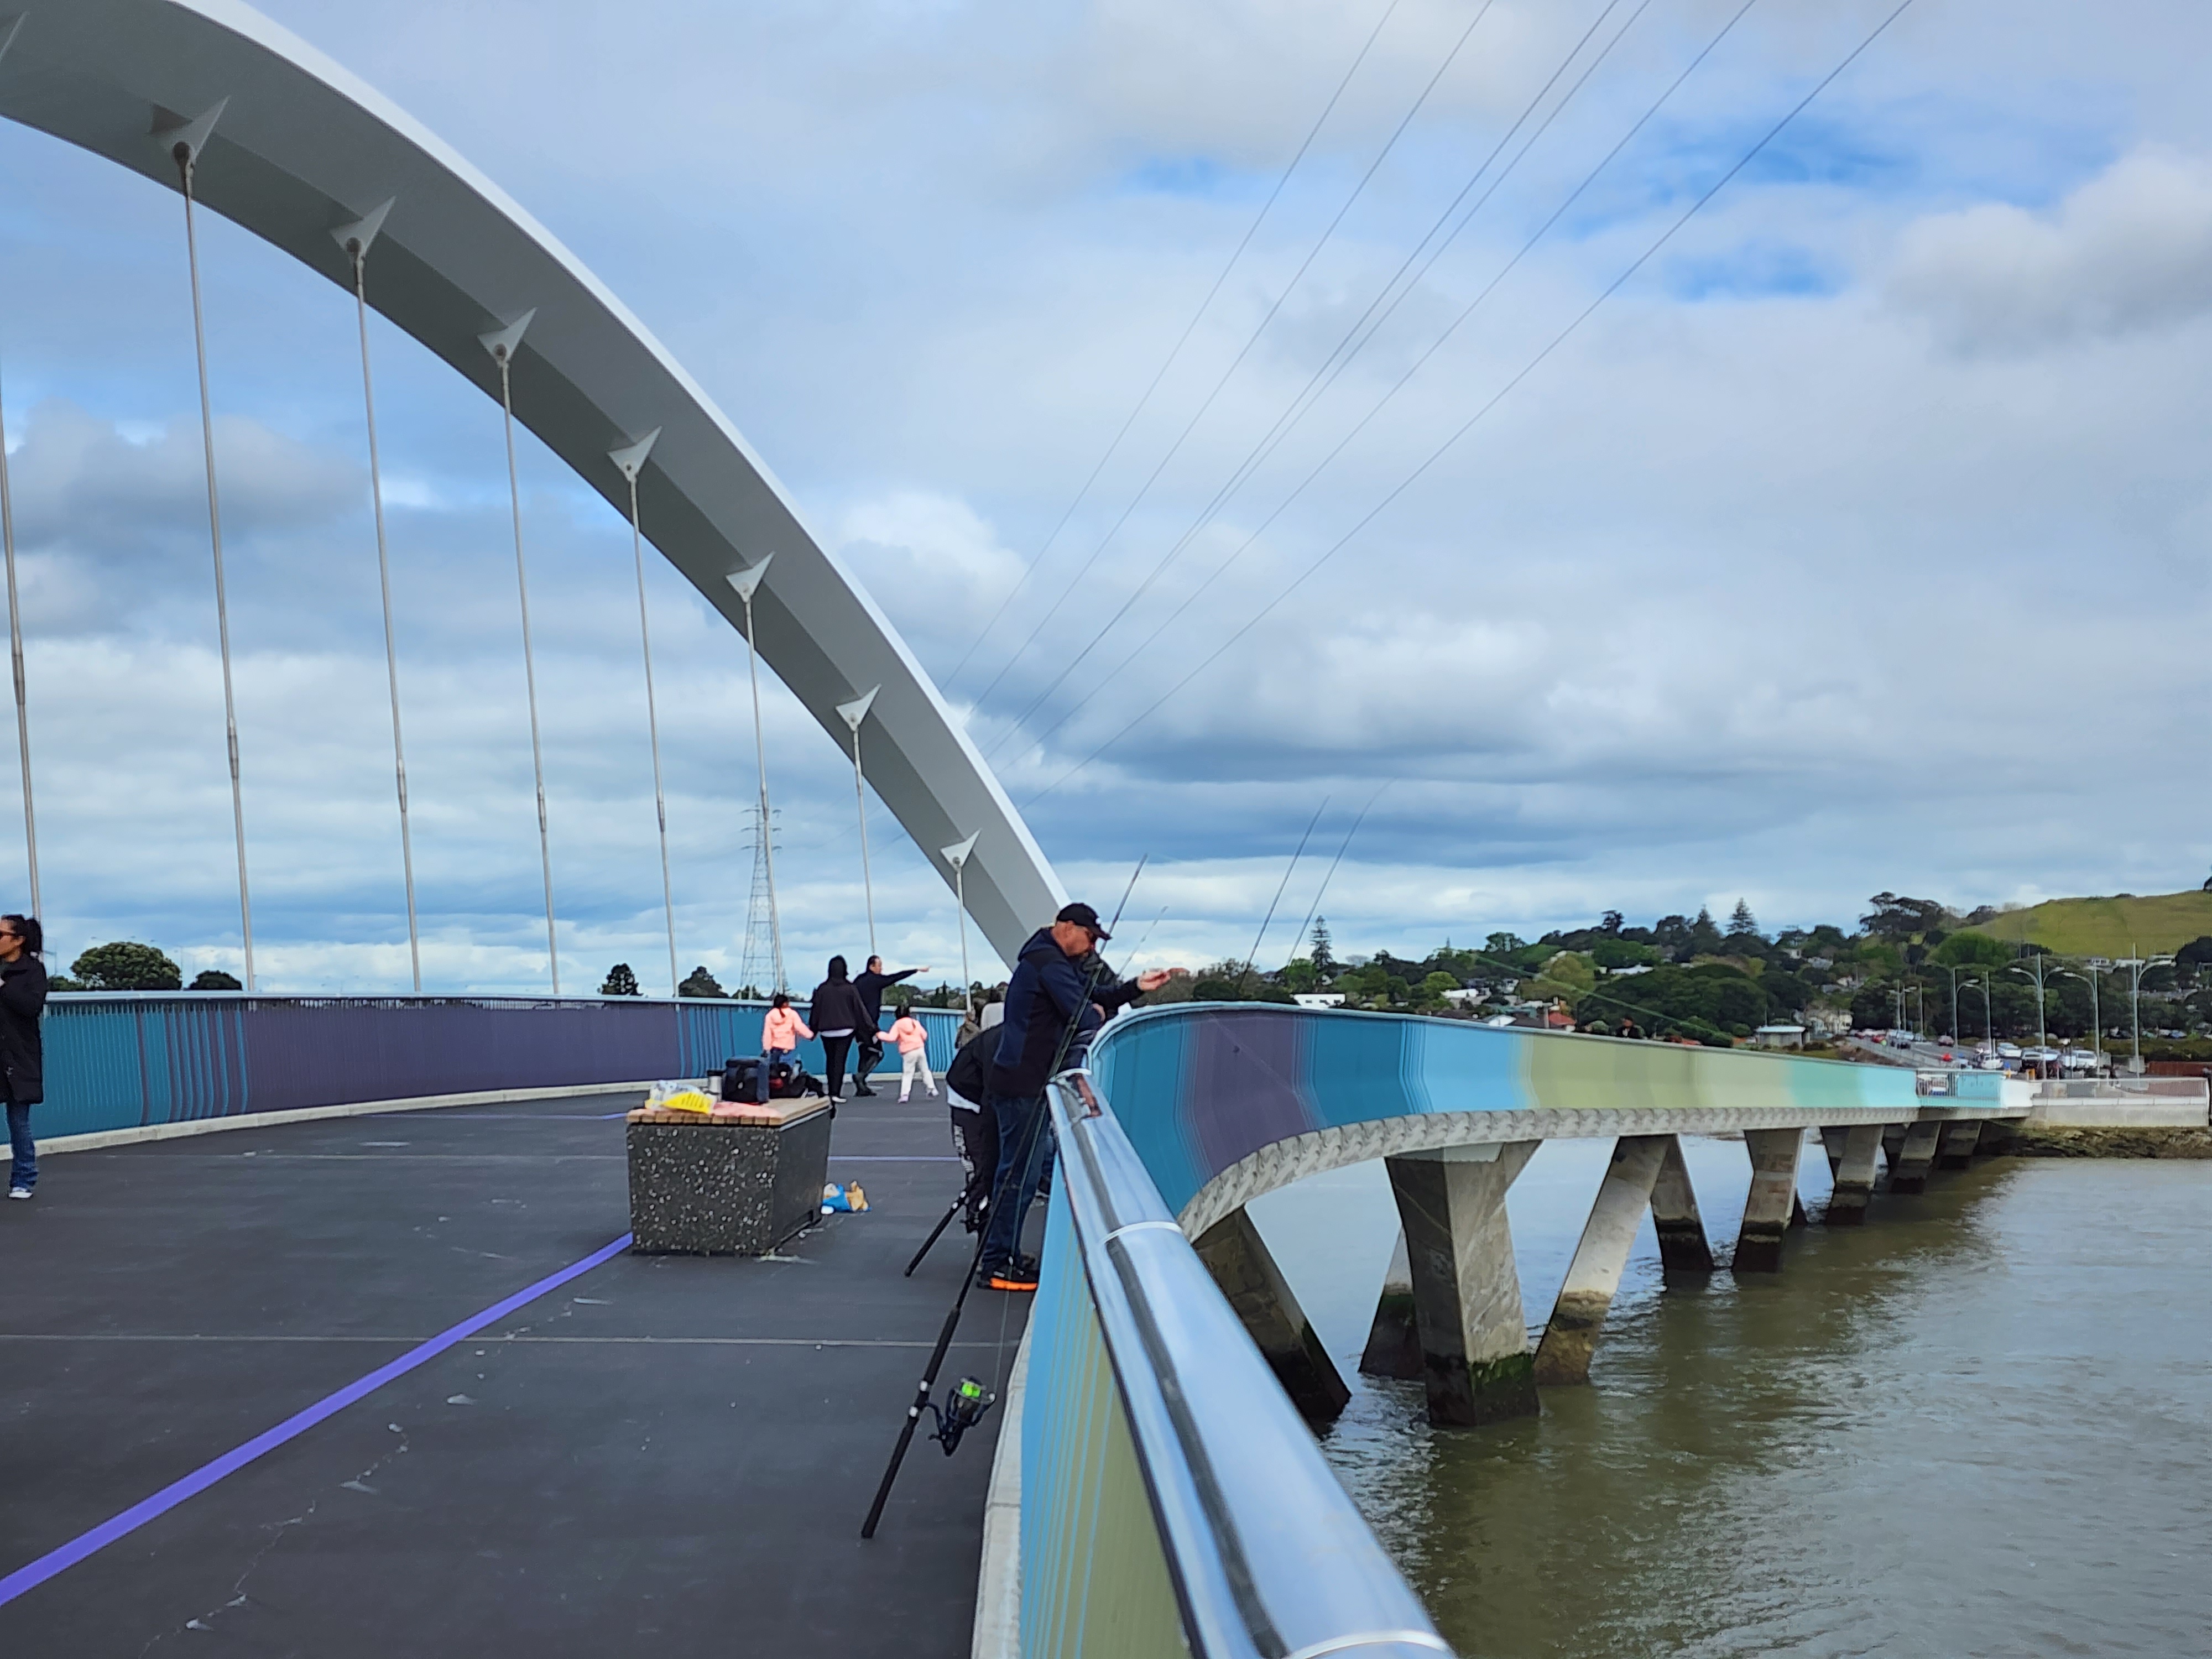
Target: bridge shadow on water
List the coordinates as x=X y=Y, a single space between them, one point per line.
x=664 y=1453
x=1975 y=1426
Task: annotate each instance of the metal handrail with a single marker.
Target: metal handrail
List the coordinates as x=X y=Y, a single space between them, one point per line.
x=1268 y=1556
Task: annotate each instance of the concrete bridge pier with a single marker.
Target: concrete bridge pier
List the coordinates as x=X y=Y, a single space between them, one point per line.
x=1852 y=1153
x=1466 y=1294
x=1593 y=1277
x=1394 y=1340
x=1955 y=1149
x=1892 y=1146
x=1238 y=1257
x=1908 y=1171
x=1767 y=1213
x=1683 y=1248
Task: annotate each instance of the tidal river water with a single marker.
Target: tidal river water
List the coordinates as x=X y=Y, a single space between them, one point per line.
x=1982 y=1424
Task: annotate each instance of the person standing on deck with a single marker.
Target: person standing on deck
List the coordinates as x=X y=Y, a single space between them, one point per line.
x=837 y=1012
x=22 y=1053
x=913 y=1039
x=872 y=984
x=781 y=1030
x=1060 y=995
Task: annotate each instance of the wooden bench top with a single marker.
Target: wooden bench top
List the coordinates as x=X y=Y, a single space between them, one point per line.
x=732 y=1114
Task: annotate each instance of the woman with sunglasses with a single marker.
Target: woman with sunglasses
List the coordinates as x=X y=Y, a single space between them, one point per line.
x=22 y=1056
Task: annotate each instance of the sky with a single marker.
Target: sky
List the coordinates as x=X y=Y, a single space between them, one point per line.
x=1640 y=453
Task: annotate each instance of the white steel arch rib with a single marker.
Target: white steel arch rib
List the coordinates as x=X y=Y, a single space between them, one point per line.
x=301 y=147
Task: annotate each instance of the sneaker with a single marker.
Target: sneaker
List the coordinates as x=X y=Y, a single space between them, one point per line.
x=18 y=1192
x=863 y=1091
x=1011 y=1279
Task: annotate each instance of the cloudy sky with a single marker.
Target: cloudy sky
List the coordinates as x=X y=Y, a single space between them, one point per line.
x=1856 y=540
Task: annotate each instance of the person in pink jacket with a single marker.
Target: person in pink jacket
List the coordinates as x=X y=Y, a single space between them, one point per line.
x=781 y=1030
x=913 y=1039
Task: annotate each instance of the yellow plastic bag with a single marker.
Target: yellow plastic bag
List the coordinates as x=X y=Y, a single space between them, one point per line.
x=688 y=1100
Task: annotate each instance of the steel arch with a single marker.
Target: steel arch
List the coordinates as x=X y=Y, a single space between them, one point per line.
x=299 y=147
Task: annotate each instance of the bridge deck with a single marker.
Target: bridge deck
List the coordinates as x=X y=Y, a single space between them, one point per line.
x=669 y=1448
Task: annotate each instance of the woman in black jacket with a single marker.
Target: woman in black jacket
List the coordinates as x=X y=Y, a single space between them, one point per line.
x=837 y=1012
x=22 y=1056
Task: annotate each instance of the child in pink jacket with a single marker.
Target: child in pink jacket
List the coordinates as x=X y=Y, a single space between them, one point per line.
x=781 y=1030
x=913 y=1039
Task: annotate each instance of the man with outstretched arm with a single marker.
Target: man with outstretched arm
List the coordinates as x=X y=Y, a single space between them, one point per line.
x=872 y=983
x=1061 y=992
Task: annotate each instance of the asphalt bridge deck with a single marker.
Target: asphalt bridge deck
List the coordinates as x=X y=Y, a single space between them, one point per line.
x=664 y=1454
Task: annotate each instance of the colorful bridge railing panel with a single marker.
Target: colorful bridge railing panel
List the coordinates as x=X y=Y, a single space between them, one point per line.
x=127 y=1061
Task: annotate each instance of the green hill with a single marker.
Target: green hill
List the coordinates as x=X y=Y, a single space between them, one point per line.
x=2151 y=924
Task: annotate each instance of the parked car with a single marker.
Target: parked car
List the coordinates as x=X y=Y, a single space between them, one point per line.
x=2007 y=1051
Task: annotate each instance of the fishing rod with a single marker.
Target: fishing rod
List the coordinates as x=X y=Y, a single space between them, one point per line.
x=1244 y=978
x=1330 y=875
x=968 y=1400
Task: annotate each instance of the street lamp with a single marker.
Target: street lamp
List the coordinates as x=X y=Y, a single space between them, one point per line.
x=1955 y=1035
x=1989 y=1017
x=2135 y=965
x=2042 y=1039
x=2096 y=1024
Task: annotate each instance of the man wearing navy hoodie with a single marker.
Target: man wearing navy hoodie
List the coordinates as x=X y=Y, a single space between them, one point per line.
x=1061 y=993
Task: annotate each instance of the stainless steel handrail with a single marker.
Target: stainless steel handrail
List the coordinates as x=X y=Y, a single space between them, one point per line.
x=1269 y=1558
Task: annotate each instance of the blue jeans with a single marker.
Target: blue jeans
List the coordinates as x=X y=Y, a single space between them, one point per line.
x=1025 y=1153
x=24 y=1170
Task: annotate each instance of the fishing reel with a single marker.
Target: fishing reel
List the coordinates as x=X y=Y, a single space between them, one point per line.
x=964 y=1405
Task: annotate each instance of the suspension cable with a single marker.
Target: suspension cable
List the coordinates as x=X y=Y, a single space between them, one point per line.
x=653 y=723
x=502 y=353
x=182 y=154
x=15 y=657
x=356 y=247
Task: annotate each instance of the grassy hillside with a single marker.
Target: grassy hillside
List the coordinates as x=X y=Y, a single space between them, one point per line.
x=2151 y=924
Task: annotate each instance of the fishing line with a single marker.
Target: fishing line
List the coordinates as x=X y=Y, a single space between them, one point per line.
x=1244 y=978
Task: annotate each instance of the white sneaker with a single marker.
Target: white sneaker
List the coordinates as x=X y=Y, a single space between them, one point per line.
x=18 y=1192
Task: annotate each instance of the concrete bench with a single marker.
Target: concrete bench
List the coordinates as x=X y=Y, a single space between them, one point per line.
x=736 y=1183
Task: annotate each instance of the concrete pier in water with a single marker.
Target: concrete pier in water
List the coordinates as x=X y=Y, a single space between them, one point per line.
x=1239 y=1260
x=1563 y=1356
x=1852 y=1156
x=1467 y=1293
x=1767 y=1215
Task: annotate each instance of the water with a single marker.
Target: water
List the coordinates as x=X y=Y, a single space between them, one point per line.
x=1977 y=1426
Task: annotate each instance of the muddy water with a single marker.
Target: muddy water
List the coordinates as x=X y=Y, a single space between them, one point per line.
x=1981 y=1425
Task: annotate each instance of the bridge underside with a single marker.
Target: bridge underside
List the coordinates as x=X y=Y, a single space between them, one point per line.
x=664 y=1453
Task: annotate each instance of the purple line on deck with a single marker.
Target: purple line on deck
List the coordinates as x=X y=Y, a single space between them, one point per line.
x=149 y=1509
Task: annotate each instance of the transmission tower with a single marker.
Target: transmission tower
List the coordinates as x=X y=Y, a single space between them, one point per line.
x=764 y=948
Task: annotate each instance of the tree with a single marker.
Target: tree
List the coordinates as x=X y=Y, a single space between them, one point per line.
x=1324 y=960
x=1618 y=953
x=619 y=982
x=1704 y=938
x=214 y=979
x=1970 y=950
x=1742 y=923
x=2196 y=953
x=701 y=983
x=1503 y=945
x=124 y=965
x=1898 y=918
x=1610 y=922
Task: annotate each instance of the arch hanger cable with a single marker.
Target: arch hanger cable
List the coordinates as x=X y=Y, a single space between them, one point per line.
x=630 y=460
x=183 y=143
x=356 y=238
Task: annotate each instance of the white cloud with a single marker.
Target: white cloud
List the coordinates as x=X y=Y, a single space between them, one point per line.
x=2130 y=251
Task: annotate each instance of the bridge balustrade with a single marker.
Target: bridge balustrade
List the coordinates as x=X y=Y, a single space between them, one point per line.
x=136 y=1060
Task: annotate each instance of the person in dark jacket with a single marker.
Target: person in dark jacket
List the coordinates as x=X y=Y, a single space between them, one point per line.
x=22 y=1054
x=974 y=1130
x=836 y=1014
x=1061 y=992
x=871 y=982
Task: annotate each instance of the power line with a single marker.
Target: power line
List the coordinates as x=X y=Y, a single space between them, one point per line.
x=1181 y=340
x=1229 y=373
x=1332 y=369
x=1498 y=397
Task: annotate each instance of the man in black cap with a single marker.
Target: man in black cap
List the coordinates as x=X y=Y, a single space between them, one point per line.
x=1061 y=993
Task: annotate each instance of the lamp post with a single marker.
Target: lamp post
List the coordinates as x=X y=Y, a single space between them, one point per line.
x=1953 y=973
x=956 y=856
x=2135 y=965
x=2042 y=1040
x=1989 y=1015
x=854 y=712
x=747 y=583
x=2096 y=1025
